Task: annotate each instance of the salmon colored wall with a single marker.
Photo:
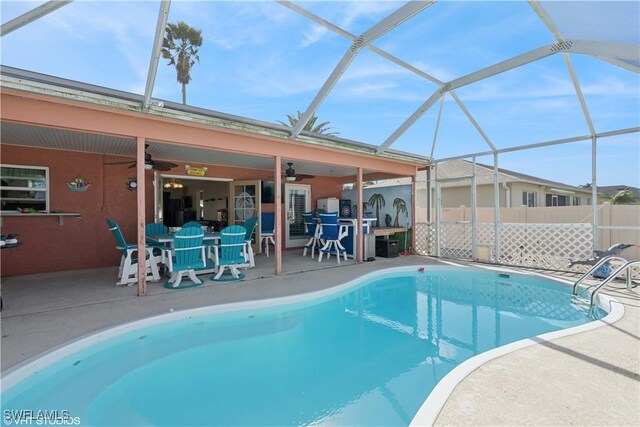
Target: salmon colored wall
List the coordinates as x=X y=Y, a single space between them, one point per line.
x=86 y=242
x=80 y=242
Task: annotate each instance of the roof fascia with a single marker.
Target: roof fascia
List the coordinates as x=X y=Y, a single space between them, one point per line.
x=133 y=103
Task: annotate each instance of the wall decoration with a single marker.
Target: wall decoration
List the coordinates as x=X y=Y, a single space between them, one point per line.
x=78 y=184
x=196 y=171
x=132 y=183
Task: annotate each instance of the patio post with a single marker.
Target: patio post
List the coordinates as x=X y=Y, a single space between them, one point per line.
x=594 y=192
x=496 y=210
x=474 y=214
x=142 y=263
x=438 y=210
x=359 y=221
x=277 y=171
x=414 y=211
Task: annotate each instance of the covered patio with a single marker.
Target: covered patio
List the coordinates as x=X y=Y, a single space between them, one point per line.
x=72 y=139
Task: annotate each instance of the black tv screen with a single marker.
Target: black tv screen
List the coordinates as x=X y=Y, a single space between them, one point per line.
x=268 y=193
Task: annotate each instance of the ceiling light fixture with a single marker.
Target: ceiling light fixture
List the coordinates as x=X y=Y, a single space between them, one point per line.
x=173 y=183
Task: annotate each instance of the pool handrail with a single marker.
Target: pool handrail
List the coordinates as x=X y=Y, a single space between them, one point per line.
x=626 y=266
x=594 y=268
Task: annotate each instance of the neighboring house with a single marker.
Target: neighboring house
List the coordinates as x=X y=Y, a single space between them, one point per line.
x=610 y=190
x=516 y=189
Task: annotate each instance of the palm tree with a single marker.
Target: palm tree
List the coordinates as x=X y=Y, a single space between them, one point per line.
x=377 y=200
x=623 y=197
x=401 y=206
x=311 y=125
x=180 y=47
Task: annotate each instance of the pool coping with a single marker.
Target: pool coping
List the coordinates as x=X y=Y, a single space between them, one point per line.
x=429 y=410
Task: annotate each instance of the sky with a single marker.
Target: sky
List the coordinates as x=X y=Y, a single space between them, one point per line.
x=263 y=61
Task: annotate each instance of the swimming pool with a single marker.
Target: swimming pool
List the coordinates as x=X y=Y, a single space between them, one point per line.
x=368 y=352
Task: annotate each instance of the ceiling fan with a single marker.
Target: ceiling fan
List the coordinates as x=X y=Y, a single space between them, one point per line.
x=149 y=163
x=291 y=175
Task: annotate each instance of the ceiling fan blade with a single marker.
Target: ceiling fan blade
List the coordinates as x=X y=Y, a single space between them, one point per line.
x=304 y=176
x=163 y=166
x=118 y=163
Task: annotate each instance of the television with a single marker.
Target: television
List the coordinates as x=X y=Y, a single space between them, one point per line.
x=268 y=193
x=267 y=190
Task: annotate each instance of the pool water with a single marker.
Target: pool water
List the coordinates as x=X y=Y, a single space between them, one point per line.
x=367 y=355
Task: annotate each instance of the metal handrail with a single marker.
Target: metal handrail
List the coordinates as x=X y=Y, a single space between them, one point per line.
x=594 y=268
x=626 y=266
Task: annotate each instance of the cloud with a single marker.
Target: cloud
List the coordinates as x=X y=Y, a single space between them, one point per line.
x=346 y=15
x=316 y=33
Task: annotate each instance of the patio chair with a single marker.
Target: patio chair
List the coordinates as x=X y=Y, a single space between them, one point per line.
x=156 y=228
x=230 y=253
x=332 y=233
x=194 y=224
x=250 y=226
x=267 y=231
x=188 y=255
x=128 y=270
x=312 y=231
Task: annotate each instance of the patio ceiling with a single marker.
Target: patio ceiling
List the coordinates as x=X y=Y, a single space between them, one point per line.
x=58 y=139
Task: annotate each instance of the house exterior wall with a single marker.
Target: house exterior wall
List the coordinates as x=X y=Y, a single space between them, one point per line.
x=86 y=242
x=452 y=197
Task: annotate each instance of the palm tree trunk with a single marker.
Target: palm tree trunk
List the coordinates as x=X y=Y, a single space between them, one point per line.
x=377 y=215
x=396 y=223
x=184 y=94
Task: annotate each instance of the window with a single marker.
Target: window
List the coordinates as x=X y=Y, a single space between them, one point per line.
x=24 y=187
x=529 y=198
x=576 y=201
x=557 y=200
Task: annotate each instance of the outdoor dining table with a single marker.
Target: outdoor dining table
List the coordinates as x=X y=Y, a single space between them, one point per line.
x=167 y=239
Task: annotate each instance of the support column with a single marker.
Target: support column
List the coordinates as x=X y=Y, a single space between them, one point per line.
x=414 y=211
x=594 y=192
x=359 y=218
x=429 y=194
x=496 y=210
x=140 y=195
x=474 y=217
x=277 y=173
x=438 y=212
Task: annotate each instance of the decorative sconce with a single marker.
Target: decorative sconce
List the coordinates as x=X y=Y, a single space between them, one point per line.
x=173 y=183
x=132 y=183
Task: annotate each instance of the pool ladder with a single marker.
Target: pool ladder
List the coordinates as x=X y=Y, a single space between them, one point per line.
x=626 y=266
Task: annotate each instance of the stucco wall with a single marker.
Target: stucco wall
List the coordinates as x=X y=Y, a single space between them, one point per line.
x=86 y=242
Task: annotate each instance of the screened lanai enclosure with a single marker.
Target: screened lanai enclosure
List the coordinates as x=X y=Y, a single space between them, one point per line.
x=547 y=89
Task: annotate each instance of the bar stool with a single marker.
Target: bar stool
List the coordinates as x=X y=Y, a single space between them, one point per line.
x=267 y=231
x=332 y=233
x=312 y=231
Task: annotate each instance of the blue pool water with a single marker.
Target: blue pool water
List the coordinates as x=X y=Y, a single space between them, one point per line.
x=367 y=355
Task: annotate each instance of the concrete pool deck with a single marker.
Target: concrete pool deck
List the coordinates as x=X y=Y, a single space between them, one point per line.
x=591 y=378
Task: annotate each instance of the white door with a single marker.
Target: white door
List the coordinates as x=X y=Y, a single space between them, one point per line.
x=297 y=201
x=157 y=198
x=244 y=202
